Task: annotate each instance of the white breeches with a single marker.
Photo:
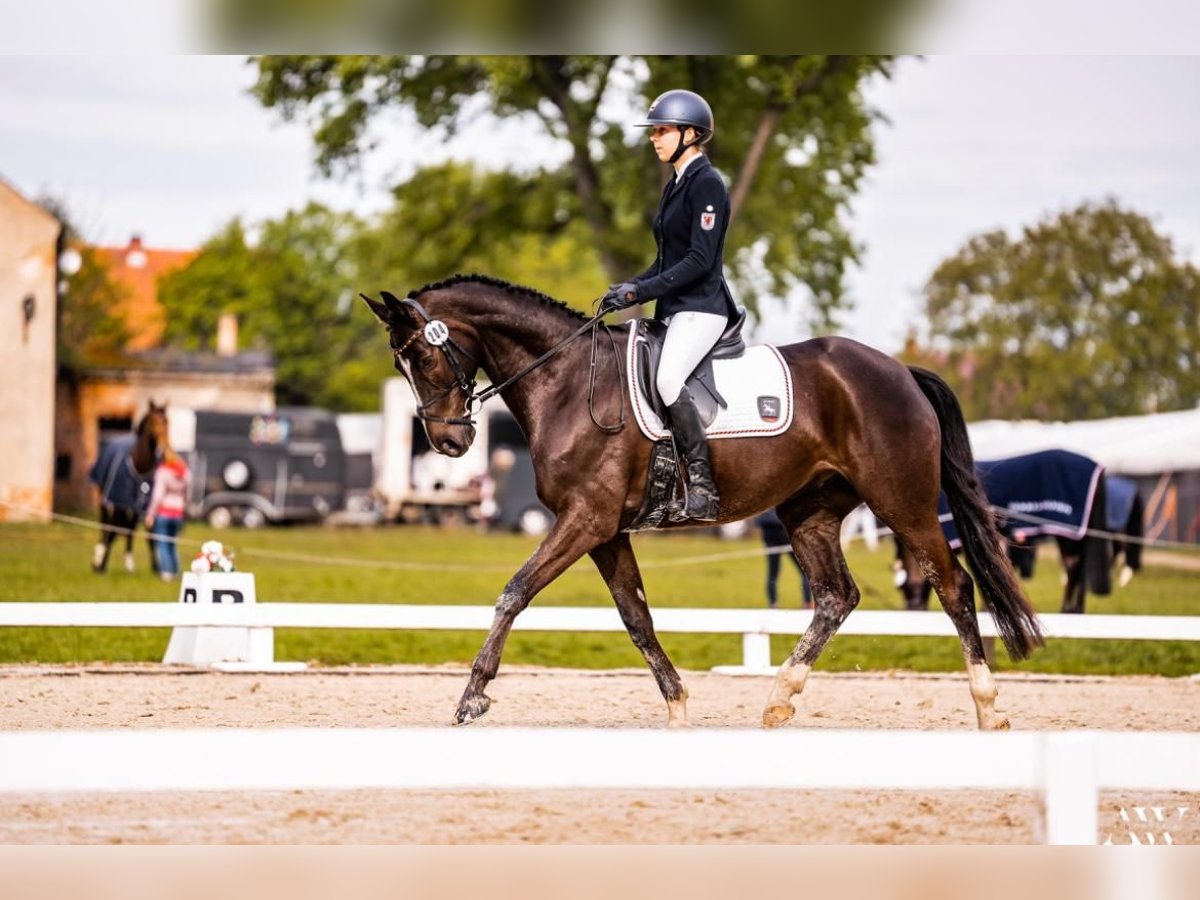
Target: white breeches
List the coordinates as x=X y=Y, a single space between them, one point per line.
x=690 y=335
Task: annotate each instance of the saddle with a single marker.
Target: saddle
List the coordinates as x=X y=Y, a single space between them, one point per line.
x=649 y=336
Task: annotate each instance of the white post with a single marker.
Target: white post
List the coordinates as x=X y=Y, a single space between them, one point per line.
x=1069 y=789
x=756 y=651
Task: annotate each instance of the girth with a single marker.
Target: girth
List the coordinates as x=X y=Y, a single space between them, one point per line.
x=650 y=335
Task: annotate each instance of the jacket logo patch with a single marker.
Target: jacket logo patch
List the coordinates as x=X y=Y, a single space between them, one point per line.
x=768 y=409
x=708 y=220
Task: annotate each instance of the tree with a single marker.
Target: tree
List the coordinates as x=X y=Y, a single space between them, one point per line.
x=792 y=131
x=291 y=292
x=1087 y=314
x=89 y=332
x=293 y=288
x=455 y=218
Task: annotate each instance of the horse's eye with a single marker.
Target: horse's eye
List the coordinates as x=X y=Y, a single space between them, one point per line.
x=426 y=363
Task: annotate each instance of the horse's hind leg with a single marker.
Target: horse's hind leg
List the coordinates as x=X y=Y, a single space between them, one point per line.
x=619 y=568
x=814 y=525
x=956 y=591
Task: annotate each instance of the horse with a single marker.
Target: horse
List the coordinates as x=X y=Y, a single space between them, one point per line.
x=1110 y=515
x=850 y=441
x=123 y=473
x=1127 y=524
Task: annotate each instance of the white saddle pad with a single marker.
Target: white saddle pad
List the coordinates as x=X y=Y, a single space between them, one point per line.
x=757 y=385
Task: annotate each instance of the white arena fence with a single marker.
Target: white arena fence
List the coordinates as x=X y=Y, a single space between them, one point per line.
x=1067 y=769
x=755 y=625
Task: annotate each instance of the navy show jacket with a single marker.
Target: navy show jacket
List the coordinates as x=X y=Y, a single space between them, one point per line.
x=688 y=273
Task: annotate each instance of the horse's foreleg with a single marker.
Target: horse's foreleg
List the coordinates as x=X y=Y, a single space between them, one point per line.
x=1073 y=568
x=619 y=568
x=103 y=544
x=565 y=544
x=834 y=597
x=131 y=526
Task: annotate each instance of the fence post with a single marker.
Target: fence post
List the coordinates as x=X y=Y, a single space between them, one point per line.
x=1070 y=793
x=756 y=650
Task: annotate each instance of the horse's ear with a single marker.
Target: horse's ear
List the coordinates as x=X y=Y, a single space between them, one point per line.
x=380 y=309
x=394 y=303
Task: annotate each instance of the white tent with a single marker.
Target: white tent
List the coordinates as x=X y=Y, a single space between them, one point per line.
x=1131 y=445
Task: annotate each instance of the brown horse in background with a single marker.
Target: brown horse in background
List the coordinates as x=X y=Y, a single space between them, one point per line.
x=865 y=429
x=124 y=473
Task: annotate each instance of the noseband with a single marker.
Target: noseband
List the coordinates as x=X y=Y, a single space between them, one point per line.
x=437 y=335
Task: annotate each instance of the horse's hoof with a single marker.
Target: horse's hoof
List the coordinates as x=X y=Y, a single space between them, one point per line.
x=678 y=723
x=470 y=709
x=778 y=713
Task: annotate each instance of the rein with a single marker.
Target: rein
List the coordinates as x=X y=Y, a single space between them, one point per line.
x=436 y=334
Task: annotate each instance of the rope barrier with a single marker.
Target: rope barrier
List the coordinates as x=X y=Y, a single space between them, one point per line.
x=674 y=562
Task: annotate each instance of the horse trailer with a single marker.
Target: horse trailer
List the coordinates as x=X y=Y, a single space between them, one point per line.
x=250 y=469
x=492 y=482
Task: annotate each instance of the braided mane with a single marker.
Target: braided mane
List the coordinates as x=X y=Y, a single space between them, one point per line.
x=509 y=288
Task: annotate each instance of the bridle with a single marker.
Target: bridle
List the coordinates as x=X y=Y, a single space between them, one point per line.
x=437 y=335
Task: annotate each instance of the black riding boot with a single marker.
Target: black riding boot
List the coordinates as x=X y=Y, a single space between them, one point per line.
x=701 y=503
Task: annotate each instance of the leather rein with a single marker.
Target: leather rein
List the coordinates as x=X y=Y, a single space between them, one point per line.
x=437 y=335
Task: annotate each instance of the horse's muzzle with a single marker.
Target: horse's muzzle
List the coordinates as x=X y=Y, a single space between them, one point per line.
x=456 y=444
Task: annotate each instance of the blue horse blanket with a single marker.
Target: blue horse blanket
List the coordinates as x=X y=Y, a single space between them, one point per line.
x=120 y=484
x=1122 y=492
x=1045 y=493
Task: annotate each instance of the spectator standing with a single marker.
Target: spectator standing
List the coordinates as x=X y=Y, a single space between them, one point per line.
x=775 y=535
x=164 y=515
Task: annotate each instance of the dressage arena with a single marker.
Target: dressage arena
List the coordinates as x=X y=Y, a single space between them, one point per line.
x=150 y=697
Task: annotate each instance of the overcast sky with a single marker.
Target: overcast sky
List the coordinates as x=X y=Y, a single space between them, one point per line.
x=171 y=147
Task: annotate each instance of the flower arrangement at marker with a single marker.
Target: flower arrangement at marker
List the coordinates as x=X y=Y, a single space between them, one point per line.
x=212 y=558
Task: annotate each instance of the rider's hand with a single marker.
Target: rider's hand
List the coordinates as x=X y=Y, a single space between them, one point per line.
x=619 y=296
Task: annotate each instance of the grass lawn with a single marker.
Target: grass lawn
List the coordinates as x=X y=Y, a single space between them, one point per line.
x=415 y=564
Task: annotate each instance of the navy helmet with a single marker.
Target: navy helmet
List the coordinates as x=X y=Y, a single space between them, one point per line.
x=681 y=108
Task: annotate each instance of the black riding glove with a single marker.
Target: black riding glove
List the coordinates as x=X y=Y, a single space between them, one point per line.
x=619 y=296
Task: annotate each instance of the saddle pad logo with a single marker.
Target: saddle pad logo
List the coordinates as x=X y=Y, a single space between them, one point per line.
x=708 y=220
x=768 y=409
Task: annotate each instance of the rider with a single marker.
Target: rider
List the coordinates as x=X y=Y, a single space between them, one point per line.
x=687 y=278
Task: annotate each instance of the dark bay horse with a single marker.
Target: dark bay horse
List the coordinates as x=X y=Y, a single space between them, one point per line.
x=123 y=473
x=851 y=441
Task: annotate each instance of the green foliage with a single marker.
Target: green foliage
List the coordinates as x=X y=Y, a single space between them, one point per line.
x=89 y=331
x=291 y=292
x=43 y=562
x=454 y=218
x=1087 y=314
x=294 y=287
x=792 y=134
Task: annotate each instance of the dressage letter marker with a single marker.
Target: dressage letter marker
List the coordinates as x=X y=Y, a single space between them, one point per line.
x=209 y=645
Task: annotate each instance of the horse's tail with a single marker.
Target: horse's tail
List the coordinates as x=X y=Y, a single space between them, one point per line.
x=1015 y=619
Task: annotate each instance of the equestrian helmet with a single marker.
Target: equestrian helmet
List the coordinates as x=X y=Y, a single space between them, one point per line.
x=681 y=108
